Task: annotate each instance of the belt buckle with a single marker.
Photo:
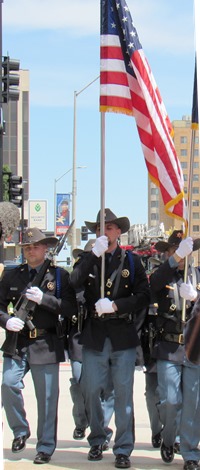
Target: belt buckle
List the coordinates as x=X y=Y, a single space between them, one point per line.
x=180 y=339
x=172 y=308
x=33 y=333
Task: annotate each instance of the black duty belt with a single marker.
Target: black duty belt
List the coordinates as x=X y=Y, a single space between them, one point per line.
x=110 y=316
x=37 y=332
x=173 y=338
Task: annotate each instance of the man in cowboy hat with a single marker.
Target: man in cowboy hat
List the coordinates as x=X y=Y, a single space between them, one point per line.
x=178 y=380
x=109 y=335
x=40 y=350
x=79 y=411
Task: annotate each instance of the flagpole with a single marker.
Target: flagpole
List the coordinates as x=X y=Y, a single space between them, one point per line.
x=102 y=218
x=192 y=148
x=197 y=43
x=189 y=206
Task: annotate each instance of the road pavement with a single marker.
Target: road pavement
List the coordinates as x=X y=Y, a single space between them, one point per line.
x=71 y=454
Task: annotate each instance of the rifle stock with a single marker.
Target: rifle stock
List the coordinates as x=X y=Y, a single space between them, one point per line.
x=24 y=307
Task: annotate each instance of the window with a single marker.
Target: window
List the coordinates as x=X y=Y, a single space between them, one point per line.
x=195 y=190
x=195 y=228
x=195 y=178
x=184 y=165
x=196 y=140
x=154 y=203
x=154 y=190
x=154 y=217
x=196 y=152
x=183 y=139
x=183 y=152
x=195 y=215
x=196 y=165
x=185 y=177
x=195 y=203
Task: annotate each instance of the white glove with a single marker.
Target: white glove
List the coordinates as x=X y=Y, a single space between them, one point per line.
x=14 y=324
x=34 y=294
x=100 y=246
x=185 y=247
x=104 y=306
x=187 y=291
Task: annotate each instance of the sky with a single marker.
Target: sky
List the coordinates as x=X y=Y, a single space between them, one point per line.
x=59 y=43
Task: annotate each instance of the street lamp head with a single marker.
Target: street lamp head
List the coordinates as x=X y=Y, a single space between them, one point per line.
x=68 y=171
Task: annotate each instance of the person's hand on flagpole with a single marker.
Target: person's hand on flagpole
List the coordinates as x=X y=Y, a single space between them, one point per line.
x=100 y=246
x=185 y=248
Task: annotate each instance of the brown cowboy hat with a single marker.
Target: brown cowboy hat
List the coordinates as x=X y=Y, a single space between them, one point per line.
x=34 y=235
x=122 y=222
x=89 y=245
x=174 y=240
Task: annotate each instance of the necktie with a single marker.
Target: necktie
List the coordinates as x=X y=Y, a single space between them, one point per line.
x=32 y=274
x=108 y=257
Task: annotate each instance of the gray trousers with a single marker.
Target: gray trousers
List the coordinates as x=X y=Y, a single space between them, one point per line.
x=46 y=383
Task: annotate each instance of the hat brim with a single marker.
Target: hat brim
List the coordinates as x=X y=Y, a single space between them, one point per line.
x=122 y=222
x=164 y=246
x=77 y=252
x=50 y=241
x=196 y=244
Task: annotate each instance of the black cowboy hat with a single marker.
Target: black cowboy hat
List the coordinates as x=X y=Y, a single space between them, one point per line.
x=174 y=240
x=89 y=245
x=122 y=222
x=34 y=235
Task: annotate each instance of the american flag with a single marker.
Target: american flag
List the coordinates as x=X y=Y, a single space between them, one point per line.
x=127 y=86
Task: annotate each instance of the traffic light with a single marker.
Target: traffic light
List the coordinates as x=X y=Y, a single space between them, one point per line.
x=84 y=233
x=15 y=193
x=68 y=260
x=10 y=81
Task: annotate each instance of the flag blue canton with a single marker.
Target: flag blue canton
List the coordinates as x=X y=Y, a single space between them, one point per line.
x=116 y=20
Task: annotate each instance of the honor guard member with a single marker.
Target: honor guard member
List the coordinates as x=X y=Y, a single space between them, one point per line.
x=39 y=350
x=79 y=411
x=109 y=336
x=172 y=368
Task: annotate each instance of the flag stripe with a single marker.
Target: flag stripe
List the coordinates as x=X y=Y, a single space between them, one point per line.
x=127 y=85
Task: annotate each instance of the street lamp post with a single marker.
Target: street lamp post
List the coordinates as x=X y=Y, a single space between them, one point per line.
x=74 y=182
x=55 y=182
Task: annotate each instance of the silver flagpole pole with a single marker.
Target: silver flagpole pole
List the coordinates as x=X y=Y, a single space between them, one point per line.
x=102 y=218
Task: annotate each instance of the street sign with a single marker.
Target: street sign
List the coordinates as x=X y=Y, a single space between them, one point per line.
x=37 y=214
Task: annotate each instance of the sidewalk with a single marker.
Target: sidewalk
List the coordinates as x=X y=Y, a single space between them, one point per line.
x=71 y=454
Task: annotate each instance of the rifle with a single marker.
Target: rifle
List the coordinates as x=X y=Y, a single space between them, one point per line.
x=24 y=308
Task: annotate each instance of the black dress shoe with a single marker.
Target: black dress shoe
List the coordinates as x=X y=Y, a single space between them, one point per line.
x=122 y=461
x=19 y=443
x=156 y=441
x=105 y=446
x=79 y=433
x=191 y=465
x=42 y=457
x=95 y=453
x=167 y=453
x=177 y=448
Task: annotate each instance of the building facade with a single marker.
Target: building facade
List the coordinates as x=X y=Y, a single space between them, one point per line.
x=156 y=213
x=16 y=149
